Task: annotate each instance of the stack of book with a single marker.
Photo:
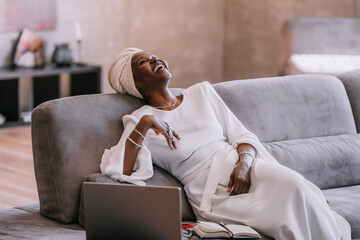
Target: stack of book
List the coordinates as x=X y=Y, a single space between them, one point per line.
x=211 y=230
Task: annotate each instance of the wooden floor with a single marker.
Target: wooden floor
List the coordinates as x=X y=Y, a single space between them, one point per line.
x=17 y=178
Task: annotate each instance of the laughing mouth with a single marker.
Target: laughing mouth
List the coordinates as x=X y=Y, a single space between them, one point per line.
x=159 y=68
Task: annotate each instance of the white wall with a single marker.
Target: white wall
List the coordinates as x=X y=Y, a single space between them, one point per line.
x=213 y=40
x=188 y=34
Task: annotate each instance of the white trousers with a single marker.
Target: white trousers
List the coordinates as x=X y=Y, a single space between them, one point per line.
x=280 y=204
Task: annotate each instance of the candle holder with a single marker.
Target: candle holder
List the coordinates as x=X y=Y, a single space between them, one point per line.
x=78 y=36
x=79 y=53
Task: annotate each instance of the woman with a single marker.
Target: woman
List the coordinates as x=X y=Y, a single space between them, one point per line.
x=227 y=174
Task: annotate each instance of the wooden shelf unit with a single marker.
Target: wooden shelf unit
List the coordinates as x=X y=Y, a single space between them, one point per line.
x=84 y=79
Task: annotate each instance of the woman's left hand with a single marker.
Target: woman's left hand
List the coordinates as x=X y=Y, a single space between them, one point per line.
x=240 y=178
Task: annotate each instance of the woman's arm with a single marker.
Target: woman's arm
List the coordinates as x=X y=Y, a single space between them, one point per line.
x=132 y=148
x=240 y=177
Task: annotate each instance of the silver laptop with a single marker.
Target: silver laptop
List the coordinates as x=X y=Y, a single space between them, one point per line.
x=118 y=211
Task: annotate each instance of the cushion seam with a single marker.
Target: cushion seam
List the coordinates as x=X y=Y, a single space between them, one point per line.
x=307 y=142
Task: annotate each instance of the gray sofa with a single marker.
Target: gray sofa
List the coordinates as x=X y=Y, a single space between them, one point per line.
x=310 y=123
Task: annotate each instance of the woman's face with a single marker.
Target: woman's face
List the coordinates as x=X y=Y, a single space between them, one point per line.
x=149 y=72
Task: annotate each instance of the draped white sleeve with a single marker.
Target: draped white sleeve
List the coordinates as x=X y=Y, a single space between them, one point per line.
x=235 y=132
x=112 y=161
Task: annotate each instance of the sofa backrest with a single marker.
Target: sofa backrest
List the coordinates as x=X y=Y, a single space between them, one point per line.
x=351 y=81
x=290 y=107
x=70 y=134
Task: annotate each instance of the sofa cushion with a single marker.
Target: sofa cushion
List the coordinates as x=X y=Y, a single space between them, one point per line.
x=328 y=162
x=25 y=222
x=346 y=202
x=290 y=107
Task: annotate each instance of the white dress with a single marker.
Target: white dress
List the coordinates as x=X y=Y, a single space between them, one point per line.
x=280 y=202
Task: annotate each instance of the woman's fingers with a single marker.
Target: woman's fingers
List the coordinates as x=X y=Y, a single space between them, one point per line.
x=243 y=188
x=173 y=140
x=237 y=185
x=239 y=188
x=169 y=142
x=174 y=143
x=156 y=131
x=240 y=180
x=161 y=127
x=171 y=136
x=231 y=183
x=236 y=189
x=177 y=136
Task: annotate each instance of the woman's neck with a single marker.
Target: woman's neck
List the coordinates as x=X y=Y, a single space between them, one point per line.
x=161 y=99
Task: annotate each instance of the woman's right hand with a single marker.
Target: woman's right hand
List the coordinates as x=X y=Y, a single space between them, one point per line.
x=161 y=127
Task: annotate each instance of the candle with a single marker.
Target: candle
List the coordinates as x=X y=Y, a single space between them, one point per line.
x=78 y=31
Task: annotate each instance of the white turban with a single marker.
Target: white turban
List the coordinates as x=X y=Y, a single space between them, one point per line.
x=120 y=74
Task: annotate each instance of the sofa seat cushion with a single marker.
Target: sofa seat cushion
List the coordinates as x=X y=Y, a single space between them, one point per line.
x=328 y=162
x=346 y=202
x=322 y=63
x=25 y=222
